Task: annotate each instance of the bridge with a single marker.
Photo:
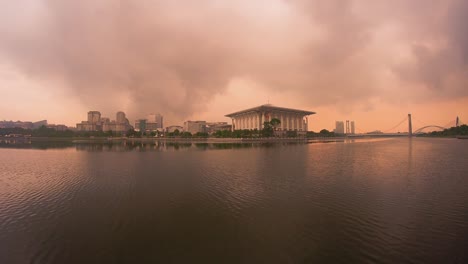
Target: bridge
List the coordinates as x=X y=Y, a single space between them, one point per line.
x=396 y=131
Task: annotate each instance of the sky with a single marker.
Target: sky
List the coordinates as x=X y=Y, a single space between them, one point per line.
x=371 y=61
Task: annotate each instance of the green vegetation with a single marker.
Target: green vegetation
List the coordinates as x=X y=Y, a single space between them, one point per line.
x=449 y=132
x=322 y=133
x=270 y=130
x=43 y=131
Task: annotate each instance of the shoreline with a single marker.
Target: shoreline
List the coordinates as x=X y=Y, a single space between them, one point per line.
x=103 y=140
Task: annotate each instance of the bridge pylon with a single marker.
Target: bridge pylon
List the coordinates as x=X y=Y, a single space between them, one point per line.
x=410 y=126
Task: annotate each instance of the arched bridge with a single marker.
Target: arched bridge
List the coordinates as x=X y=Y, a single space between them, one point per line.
x=430 y=126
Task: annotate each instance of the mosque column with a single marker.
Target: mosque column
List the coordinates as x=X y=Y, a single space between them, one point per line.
x=261 y=120
x=282 y=121
x=252 y=121
x=260 y=123
x=246 y=119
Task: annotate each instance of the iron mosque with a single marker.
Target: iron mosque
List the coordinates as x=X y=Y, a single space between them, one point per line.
x=253 y=118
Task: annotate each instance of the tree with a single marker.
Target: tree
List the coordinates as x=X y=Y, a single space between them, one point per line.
x=201 y=134
x=186 y=134
x=267 y=130
x=291 y=133
x=130 y=132
x=326 y=133
x=275 y=122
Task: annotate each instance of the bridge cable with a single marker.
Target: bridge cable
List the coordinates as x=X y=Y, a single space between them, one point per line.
x=401 y=122
x=414 y=118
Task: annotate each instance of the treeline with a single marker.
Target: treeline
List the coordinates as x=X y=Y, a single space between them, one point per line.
x=255 y=133
x=42 y=131
x=268 y=131
x=450 y=132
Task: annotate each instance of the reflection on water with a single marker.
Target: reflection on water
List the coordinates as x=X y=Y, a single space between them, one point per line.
x=137 y=146
x=389 y=201
x=162 y=145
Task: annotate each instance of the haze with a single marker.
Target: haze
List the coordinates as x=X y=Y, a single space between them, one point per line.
x=370 y=61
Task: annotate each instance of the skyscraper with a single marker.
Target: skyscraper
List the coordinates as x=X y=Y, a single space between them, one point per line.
x=352 y=128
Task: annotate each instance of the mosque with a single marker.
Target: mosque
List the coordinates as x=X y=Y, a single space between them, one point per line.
x=253 y=118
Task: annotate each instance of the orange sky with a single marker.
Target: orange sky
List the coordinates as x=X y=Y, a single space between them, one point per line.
x=368 y=61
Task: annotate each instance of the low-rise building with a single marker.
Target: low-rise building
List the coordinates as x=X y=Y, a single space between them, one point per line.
x=195 y=126
x=212 y=127
x=172 y=129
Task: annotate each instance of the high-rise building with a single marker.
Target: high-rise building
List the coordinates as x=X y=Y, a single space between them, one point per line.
x=339 y=127
x=353 y=131
x=121 y=122
x=120 y=118
x=97 y=123
x=94 y=117
x=155 y=118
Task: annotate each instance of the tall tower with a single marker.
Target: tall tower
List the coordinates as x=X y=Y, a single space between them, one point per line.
x=410 y=126
x=457 y=122
x=347 y=127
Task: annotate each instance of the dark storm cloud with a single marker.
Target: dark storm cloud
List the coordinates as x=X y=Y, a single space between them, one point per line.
x=441 y=53
x=176 y=55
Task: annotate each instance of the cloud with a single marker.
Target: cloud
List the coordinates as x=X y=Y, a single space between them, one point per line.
x=175 y=56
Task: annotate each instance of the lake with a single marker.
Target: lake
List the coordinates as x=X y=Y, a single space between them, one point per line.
x=395 y=200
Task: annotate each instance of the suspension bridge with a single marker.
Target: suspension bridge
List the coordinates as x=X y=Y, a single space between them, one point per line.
x=405 y=128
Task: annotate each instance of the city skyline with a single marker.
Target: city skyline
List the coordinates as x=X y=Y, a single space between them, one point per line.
x=368 y=61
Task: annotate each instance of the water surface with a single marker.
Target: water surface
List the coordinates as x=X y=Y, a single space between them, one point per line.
x=393 y=200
